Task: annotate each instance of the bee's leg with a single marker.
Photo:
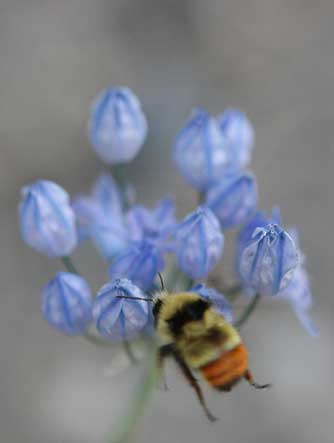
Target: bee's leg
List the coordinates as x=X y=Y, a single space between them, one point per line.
x=164 y=352
x=249 y=377
x=194 y=384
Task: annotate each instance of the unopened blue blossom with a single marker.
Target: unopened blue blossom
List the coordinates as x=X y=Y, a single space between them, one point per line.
x=117 y=126
x=233 y=199
x=67 y=303
x=155 y=226
x=239 y=134
x=200 y=151
x=47 y=220
x=199 y=243
x=218 y=300
x=298 y=292
x=120 y=318
x=140 y=263
x=100 y=217
x=267 y=261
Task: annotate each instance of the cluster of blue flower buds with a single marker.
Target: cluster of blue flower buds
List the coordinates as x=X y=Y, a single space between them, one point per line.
x=212 y=154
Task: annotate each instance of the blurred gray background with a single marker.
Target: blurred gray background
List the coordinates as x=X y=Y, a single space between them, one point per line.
x=275 y=60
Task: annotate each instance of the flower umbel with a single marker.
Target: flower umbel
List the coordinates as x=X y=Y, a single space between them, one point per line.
x=47 y=219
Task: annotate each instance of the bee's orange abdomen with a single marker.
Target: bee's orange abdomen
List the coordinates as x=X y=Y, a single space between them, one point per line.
x=227 y=369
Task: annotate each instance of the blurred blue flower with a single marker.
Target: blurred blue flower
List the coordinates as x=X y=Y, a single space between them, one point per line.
x=239 y=133
x=117 y=126
x=267 y=261
x=67 y=303
x=140 y=263
x=233 y=199
x=120 y=318
x=155 y=226
x=298 y=291
x=47 y=220
x=219 y=301
x=200 y=243
x=200 y=151
x=100 y=217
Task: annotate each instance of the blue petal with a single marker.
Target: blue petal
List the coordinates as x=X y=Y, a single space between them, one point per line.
x=199 y=243
x=200 y=151
x=120 y=318
x=233 y=199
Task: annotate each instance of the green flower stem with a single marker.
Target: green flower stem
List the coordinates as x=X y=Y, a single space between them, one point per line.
x=125 y=430
x=233 y=292
x=200 y=197
x=129 y=351
x=248 y=311
x=69 y=265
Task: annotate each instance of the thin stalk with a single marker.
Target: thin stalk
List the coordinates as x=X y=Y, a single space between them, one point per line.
x=129 y=352
x=145 y=388
x=69 y=265
x=232 y=292
x=248 y=311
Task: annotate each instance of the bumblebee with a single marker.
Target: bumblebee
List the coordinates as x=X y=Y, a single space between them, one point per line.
x=199 y=339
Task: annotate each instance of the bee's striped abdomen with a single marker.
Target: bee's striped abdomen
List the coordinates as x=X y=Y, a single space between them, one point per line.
x=227 y=370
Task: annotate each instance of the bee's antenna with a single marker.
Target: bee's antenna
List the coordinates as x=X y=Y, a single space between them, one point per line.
x=134 y=298
x=161 y=281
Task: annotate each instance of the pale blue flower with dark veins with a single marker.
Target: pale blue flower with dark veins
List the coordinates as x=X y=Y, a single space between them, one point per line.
x=67 y=303
x=117 y=126
x=100 y=217
x=120 y=318
x=258 y=220
x=200 y=151
x=47 y=220
x=140 y=263
x=155 y=225
x=218 y=300
x=200 y=243
x=239 y=133
x=268 y=260
x=233 y=199
x=298 y=292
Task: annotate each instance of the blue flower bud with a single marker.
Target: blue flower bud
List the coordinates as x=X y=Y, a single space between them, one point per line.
x=67 y=303
x=239 y=133
x=120 y=318
x=100 y=217
x=155 y=226
x=199 y=243
x=47 y=220
x=200 y=151
x=233 y=199
x=219 y=301
x=267 y=261
x=139 y=263
x=118 y=125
